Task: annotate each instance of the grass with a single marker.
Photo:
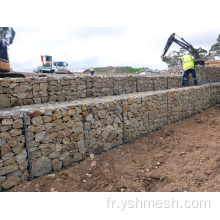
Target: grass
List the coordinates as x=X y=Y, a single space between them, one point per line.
x=119 y=69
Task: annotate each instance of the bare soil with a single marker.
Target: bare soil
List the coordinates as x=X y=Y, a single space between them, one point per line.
x=184 y=156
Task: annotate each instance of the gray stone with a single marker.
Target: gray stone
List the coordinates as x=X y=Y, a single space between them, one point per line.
x=23 y=165
x=4 y=101
x=63 y=156
x=8 y=169
x=7 y=121
x=2 y=179
x=15 y=174
x=12 y=182
x=41 y=166
x=67 y=161
x=39 y=136
x=21 y=157
x=54 y=155
x=15 y=132
x=7 y=156
x=18 y=123
x=37 y=121
x=56 y=164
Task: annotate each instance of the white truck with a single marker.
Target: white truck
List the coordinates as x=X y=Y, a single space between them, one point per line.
x=61 y=67
x=50 y=66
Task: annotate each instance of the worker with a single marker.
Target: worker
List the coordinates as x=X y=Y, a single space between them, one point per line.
x=92 y=71
x=188 y=67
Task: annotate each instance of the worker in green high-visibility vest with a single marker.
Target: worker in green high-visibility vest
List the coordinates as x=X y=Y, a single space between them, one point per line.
x=188 y=67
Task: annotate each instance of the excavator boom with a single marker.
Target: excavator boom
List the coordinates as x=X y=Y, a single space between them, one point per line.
x=185 y=45
x=4 y=61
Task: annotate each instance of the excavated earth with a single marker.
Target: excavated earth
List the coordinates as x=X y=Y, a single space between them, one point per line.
x=184 y=156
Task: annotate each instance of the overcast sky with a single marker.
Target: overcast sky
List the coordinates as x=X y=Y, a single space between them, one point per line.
x=107 y=33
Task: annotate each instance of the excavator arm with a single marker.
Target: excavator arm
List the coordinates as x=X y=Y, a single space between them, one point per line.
x=185 y=45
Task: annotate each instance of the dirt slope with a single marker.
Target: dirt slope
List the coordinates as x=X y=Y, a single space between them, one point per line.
x=184 y=156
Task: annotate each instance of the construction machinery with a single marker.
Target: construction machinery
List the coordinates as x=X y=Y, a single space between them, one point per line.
x=212 y=63
x=185 y=45
x=50 y=66
x=4 y=61
x=61 y=67
x=47 y=65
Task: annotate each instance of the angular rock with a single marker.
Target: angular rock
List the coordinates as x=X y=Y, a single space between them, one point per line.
x=67 y=161
x=2 y=179
x=18 y=148
x=56 y=164
x=63 y=156
x=15 y=174
x=10 y=161
x=7 y=156
x=39 y=136
x=23 y=165
x=7 y=121
x=15 y=132
x=57 y=115
x=21 y=157
x=12 y=182
x=8 y=169
x=37 y=121
x=5 y=148
x=14 y=141
x=18 y=123
x=25 y=176
x=4 y=101
x=54 y=155
x=41 y=166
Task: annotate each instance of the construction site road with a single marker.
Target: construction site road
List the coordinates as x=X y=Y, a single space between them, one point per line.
x=184 y=156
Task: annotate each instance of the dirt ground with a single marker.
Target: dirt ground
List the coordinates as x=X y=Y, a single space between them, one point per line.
x=184 y=156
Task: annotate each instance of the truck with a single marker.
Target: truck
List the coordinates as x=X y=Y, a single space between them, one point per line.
x=61 y=67
x=50 y=66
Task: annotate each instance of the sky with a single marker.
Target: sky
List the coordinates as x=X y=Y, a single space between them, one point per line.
x=107 y=33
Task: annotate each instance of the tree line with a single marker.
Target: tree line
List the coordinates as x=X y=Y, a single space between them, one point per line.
x=207 y=55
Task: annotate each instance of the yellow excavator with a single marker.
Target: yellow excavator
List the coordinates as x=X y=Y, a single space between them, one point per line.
x=4 y=61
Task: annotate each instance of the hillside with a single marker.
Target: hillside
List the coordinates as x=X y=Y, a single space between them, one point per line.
x=111 y=69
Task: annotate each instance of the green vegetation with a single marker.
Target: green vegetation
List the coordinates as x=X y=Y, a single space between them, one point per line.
x=119 y=69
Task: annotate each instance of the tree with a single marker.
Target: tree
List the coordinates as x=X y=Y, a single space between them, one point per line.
x=176 y=55
x=8 y=35
x=202 y=52
x=215 y=49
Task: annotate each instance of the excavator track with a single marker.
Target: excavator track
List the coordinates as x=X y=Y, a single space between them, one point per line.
x=12 y=75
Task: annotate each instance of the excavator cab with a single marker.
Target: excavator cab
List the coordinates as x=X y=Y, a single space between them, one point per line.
x=199 y=62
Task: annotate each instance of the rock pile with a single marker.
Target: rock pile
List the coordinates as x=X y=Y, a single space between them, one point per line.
x=28 y=91
x=13 y=158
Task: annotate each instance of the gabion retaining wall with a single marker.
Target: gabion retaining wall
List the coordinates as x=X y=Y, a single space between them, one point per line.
x=42 y=138
x=28 y=91
x=13 y=158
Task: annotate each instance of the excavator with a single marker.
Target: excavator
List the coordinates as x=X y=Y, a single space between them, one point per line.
x=4 y=61
x=185 y=45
